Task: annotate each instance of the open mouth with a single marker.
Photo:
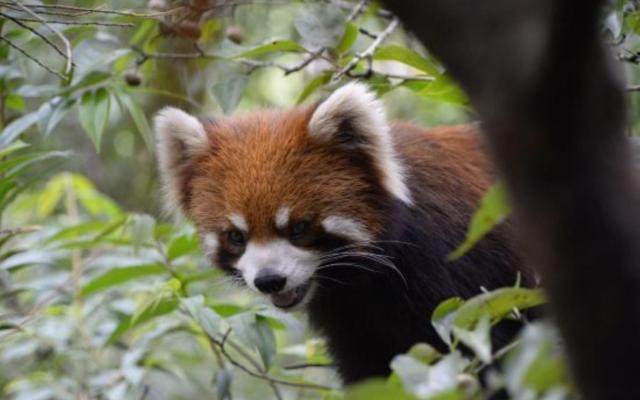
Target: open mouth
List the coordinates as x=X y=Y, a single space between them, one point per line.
x=290 y=298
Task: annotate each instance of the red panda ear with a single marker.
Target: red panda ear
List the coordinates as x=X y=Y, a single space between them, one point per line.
x=179 y=138
x=354 y=117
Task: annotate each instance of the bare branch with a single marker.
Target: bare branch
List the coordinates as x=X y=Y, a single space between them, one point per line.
x=357 y=10
x=35 y=32
x=20 y=230
x=368 y=53
x=87 y=10
x=310 y=365
x=30 y=57
x=220 y=344
x=67 y=45
x=79 y=23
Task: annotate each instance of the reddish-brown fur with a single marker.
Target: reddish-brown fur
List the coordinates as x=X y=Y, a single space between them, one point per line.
x=261 y=161
x=264 y=160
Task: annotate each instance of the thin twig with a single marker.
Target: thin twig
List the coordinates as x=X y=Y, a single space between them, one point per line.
x=309 y=365
x=252 y=64
x=357 y=10
x=20 y=230
x=35 y=32
x=68 y=69
x=99 y=10
x=368 y=53
x=220 y=344
x=30 y=57
x=90 y=23
x=274 y=387
x=288 y=69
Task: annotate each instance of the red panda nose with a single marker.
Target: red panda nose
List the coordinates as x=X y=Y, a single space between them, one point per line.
x=268 y=281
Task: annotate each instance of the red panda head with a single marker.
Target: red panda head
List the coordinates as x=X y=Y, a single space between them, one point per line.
x=274 y=194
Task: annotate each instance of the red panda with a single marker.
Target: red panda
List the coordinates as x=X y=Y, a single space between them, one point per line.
x=330 y=208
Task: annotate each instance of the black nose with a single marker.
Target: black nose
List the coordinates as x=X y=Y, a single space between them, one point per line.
x=269 y=281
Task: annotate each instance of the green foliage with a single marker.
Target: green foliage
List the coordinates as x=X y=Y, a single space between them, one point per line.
x=493 y=209
x=100 y=297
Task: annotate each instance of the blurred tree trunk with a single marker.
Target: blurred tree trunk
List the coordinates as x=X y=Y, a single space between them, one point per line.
x=553 y=110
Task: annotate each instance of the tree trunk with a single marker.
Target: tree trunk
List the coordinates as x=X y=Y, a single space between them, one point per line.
x=553 y=110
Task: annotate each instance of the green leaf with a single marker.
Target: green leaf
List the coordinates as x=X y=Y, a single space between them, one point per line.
x=229 y=92
x=86 y=114
x=15 y=102
x=139 y=118
x=118 y=276
x=424 y=353
x=51 y=113
x=141 y=230
x=254 y=330
x=16 y=127
x=94 y=114
x=320 y=25
x=477 y=339
x=442 y=318
x=496 y=304
x=153 y=310
x=407 y=56
x=536 y=366
x=223 y=379
x=102 y=107
x=313 y=85
x=13 y=147
x=182 y=245
x=430 y=381
x=376 y=389
x=348 y=39
x=494 y=208
x=50 y=196
x=272 y=47
x=31 y=257
x=94 y=202
x=19 y=163
x=205 y=317
x=442 y=89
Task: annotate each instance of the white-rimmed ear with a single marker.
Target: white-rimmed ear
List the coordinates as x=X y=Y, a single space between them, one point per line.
x=179 y=138
x=353 y=116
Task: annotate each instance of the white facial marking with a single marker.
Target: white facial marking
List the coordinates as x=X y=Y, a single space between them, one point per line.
x=210 y=244
x=282 y=217
x=357 y=103
x=297 y=265
x=239 y=222
x=347 y=227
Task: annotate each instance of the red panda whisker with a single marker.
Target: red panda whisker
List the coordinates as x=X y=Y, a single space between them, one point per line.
x=327 y=266
x=317 y=277
x=379 y=258
x=367 y=255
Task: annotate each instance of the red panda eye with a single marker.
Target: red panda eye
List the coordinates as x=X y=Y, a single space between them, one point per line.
x=236 y=237
x=298 y=229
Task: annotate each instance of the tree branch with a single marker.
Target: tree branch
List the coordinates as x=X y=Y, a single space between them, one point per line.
x=220 y=344
x=67 y=45
x=30 y=57
x=78 y=23
x=369 y=52
x=553 y=112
